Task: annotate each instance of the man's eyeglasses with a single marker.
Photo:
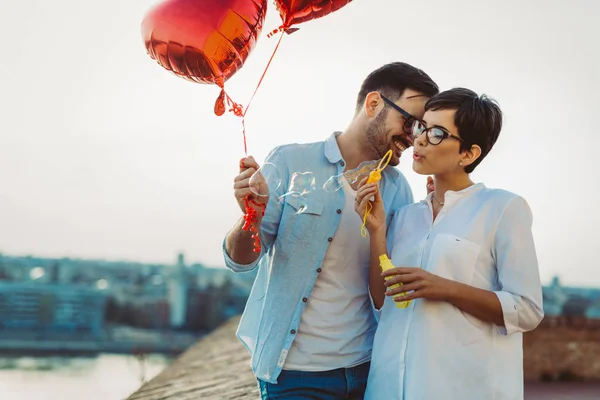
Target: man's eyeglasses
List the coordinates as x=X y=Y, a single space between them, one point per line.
x=435 y=134
x=408 y=119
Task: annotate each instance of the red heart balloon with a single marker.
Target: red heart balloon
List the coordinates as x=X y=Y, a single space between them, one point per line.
x=296 y=11
x=204 y=41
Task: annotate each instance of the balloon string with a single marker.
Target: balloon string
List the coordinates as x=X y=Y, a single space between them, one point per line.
x=237 y=108
x=251 y=215
x=250 y=220
x=264 y=72
x=375 y=176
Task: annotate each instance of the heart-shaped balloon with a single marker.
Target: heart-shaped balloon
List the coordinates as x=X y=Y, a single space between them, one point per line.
x=297 y=11
x=204 y=41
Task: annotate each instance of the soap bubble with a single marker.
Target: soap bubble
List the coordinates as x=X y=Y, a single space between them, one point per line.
x=265 y=180
x=353 y=176
x=300 y=205
x=334 y=183
x=302 y=208
x=301 y=184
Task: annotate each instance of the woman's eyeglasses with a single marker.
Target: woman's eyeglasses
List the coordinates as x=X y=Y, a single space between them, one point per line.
x=414 y=127
x=435 y=134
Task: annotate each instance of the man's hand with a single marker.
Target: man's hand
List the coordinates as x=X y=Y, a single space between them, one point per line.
x=370 y=193
x=421 y=284
x=430 y=185
x=241 y=185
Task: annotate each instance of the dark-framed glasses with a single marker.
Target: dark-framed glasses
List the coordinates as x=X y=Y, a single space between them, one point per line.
x=435 y=134
x=408 y=118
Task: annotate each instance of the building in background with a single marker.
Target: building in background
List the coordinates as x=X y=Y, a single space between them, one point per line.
x=562 y=300
x=51 y=308
x=178 y=283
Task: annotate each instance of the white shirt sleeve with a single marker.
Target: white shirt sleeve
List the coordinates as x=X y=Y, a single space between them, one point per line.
x=518 y=274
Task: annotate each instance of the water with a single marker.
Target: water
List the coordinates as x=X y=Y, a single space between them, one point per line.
x=106 y=377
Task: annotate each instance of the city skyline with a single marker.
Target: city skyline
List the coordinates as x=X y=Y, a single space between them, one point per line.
x=105 y=155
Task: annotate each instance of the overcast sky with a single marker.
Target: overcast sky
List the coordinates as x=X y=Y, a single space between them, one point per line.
x=104 y=154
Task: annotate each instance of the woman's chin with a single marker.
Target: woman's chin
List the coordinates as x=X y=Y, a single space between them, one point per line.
x=421 y=169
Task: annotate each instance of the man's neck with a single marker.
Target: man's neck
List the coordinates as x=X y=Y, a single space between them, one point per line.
x=352 y=147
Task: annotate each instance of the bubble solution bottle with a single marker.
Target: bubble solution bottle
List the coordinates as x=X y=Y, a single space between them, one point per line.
x=385 y=263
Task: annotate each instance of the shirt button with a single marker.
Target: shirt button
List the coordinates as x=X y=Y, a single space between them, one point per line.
x=293 y=331
x=319 y=270
x=330 y=239
x=304 y=299
x=339 y=211
x=342 y=163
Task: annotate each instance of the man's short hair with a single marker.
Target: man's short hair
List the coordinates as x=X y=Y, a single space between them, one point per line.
x=478 y=119
x=393 y=79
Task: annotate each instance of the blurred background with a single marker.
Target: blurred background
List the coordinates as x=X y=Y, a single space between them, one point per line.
x=69 y=326
x=116 y=176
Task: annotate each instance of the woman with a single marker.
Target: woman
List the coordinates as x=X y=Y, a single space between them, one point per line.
x=467 y=262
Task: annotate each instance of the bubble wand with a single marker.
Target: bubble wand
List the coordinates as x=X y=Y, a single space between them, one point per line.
x=374 y=177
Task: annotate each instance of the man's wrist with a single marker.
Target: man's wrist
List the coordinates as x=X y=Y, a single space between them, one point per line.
x=244 y=226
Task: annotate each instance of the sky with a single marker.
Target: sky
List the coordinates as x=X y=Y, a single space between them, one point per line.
x=104 y=154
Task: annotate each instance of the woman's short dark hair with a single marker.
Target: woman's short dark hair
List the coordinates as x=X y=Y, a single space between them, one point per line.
x=393 y=79
x=478 y=119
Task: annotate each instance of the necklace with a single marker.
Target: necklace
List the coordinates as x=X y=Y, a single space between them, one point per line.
x=435 y=198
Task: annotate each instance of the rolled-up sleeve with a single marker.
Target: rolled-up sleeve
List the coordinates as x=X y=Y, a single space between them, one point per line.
x=376 y=311
x=518 y=274
x=270 y=222
x=237 y=267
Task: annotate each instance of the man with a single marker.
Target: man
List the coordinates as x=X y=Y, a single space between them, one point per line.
x=309 y=323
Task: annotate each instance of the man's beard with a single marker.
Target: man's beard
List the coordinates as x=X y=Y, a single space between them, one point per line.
x=377 y=140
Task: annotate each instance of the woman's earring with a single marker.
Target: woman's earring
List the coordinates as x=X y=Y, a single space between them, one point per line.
x=460 y=162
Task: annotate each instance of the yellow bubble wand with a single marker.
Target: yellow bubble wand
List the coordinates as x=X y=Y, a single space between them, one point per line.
x=374 y=177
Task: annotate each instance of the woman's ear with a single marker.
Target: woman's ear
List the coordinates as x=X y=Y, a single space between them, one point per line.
x=469 y=156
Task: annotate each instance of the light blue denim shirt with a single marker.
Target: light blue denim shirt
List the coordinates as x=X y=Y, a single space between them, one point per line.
x=293 y=248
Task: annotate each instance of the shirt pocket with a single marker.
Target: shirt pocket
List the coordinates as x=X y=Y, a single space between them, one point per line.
x=300 y=220
x=453 y=257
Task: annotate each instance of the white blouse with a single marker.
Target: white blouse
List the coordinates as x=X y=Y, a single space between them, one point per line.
x=432 y=350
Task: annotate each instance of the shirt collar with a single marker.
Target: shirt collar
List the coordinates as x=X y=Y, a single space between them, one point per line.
x=452 y=196
x=332 y=150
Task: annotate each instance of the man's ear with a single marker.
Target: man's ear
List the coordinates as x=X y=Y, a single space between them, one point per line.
x=373 y=104
x=469 y=156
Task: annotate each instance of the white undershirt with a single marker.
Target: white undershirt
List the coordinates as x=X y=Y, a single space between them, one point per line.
x=337 y=326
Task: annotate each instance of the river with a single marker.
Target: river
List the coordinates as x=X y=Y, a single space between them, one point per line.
x=105 y=377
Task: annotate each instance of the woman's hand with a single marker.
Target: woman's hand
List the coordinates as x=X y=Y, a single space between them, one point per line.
x=417 y=284
x=369 y=193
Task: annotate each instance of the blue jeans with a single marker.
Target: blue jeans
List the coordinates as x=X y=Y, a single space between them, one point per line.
x=342 y=383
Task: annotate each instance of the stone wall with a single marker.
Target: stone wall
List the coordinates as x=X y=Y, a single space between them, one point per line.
x=217 y=367
x=563 y=348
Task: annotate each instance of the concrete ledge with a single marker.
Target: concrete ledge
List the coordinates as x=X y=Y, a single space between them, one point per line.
x=216 y=368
